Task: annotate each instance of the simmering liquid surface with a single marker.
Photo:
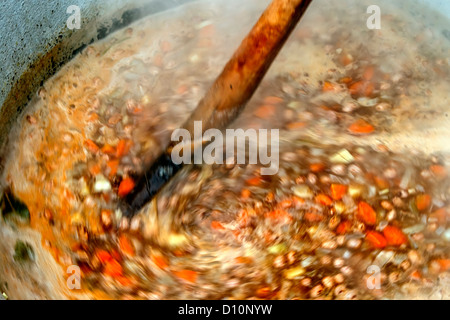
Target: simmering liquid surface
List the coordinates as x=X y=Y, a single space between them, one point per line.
x=363 y=180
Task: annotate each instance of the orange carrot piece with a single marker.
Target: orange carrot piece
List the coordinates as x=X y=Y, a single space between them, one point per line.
x=243 y=218
x=75 y=247
x=361 y=88
x=368 y=73
x=295 y=125
x=338 y=191
x=106 y=197
x=344 y=227
x=123 y=147
x=440 y=215
x=243 y=260
x=366 y=213
x=245 y=194
x=345 y=80
x=439 y=171
x=360 y=127
x=273 y=100
x=263 y=292
x=278 y=214
x=255 y=181
x=136 y=110
x=125 y=187
x=103 y=255
x=423 y=202
x=316 y=167
x=394 y=236
x=160 y=261
x=376 y=239
x=95 y=169
x=444 y=264
x=108 y=149
x=368 y=89
x=216 y=225
x=91 y=146
x=270 y=196
x=265 y=111
x=286 y=203
x=381 y=182
x=92 y=117
x=329 y=87
x=345 y=59
x=356 y=88
x=113 y=268
x=179 y=253
x=126 y=246
x=124 y=281
x=313 y=217
x=297 y=201
x=187 y=275
x=116 y=255
x=113 y=166
x=323 y=199
x=415 y=275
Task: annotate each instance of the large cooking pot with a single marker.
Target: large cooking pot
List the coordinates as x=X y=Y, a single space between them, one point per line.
x=35 y=42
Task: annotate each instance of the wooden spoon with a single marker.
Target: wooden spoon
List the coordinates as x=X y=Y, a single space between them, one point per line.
x=229 y=94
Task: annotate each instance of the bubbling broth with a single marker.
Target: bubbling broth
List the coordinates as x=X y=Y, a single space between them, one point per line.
x=362 y=181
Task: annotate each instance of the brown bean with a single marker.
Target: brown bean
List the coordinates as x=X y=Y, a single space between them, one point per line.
x=339 y=278
x=291 y=257
x=305 y=282
x=354 y=243
x=350 y=295
x=328 y=282
x=346 y=270
x=405 y=265
x=106 y=218
x=394 y=277
x=338 y=263
x=317 y=291
x=386 y=205
x=414 y=257
x=340 y=290
x=339 y=169
x=312 y=178
x=331 y=245
x=279 y=262
x=325 y=260
x=334 y=222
